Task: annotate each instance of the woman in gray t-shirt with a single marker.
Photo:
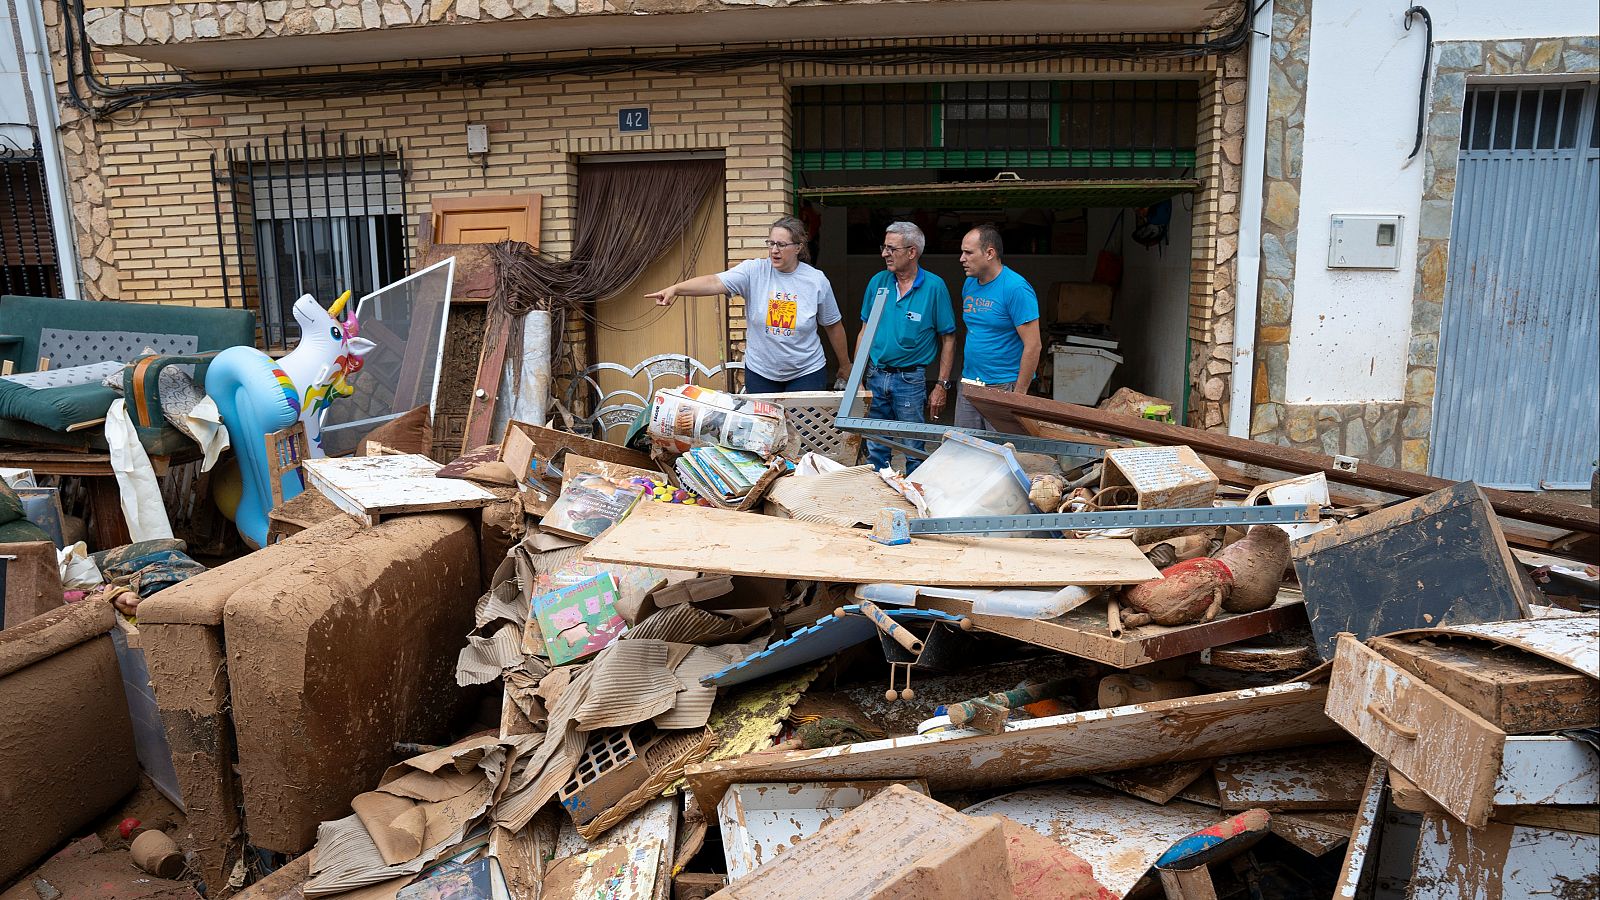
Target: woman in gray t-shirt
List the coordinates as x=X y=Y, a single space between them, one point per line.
x=787 y=301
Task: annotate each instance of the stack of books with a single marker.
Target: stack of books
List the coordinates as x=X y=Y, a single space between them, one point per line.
x=721 y=472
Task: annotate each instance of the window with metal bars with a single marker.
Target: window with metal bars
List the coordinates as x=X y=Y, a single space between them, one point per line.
x=317 y=216
x=28 y=264
x=1546 y=117
x=993 y=124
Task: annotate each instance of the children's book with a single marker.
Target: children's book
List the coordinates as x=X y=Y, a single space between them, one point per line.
x=579 y=620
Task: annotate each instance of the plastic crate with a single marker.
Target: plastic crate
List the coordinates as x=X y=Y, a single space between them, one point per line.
x=810 y=415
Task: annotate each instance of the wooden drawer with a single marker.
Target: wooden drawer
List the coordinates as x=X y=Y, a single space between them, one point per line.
x=1450 y=753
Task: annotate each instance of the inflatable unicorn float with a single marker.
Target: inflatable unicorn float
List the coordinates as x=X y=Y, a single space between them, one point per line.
x=257 y=395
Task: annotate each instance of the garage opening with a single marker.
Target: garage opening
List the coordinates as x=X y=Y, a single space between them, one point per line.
x=1070 y=171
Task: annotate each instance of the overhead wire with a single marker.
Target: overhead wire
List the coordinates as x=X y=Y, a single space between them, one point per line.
x=1427 y=65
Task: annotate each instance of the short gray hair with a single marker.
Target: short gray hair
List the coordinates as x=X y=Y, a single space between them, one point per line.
x=910 y=232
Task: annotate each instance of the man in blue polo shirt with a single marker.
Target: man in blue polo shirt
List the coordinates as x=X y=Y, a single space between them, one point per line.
x=917 y=323
x=1001 y=313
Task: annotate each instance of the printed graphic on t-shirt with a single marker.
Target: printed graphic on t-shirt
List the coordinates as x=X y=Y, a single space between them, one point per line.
x=971 y=304
x=783 y=308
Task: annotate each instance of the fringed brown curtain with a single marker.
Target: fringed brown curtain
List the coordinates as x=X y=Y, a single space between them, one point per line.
x=628 y=215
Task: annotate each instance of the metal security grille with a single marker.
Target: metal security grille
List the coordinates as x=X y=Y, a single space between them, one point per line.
x=311 y=214
x=28 y=263
x=992 y=124
x=1518 y=386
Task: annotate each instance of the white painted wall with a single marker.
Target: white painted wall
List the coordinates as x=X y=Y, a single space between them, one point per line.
x=1152 y=313
x=1350 y=328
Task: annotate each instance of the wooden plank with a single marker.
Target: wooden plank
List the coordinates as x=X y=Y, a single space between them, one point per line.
x=1517 y=692
x=1187 y=884
x=1502 y=862
x=66 y=462
x=760 y=821
x=1002 y=408
x=1361 y=851
x=486 y=386
x=1582 y=819
x=1436 y=560
x=672 y=536
x=1451 y=754
x=1085 y=632
x=1317 y=833
x=890 y=846
x=373 y=486
x=1518 y=534
x=530 y=450
x=1326 y=777
x=1051 y=747
x=1158 y=784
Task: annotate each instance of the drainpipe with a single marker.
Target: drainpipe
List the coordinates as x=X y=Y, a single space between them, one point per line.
x=36 y=69
x=1247 y=279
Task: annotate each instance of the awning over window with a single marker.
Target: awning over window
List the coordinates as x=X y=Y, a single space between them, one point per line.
x=1113 y=193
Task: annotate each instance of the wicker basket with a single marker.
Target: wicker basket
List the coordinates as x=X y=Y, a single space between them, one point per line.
x=665 y=757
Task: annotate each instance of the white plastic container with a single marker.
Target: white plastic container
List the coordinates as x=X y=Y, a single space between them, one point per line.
x=968 y=476
x=1081 y=373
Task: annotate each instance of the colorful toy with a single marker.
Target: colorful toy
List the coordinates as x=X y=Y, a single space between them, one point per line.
x=257 y=396
x=659 y=491
x=319 y=368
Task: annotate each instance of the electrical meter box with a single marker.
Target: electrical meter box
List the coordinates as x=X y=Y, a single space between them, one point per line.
x=1364 y=242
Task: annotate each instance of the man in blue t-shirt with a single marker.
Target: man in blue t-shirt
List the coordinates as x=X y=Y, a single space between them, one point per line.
x=1001 y=313
x=917 y=323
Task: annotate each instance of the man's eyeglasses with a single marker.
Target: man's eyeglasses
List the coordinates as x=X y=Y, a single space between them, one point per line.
x=885 y=248
x=780 y=245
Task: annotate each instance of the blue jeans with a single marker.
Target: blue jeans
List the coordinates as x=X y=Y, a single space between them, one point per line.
x=760 y=384
x=902 y=397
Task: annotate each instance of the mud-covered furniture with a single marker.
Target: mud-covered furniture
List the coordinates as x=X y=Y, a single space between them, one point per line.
x=67 y=755
x=308 y=659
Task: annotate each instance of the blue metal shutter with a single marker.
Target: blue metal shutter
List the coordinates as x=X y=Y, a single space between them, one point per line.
x=1517 y=402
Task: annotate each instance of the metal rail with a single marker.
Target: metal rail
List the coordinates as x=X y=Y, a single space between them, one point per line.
x=1126 y=518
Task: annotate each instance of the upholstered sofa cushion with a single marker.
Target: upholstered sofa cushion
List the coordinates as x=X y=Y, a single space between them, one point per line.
x=56 y=408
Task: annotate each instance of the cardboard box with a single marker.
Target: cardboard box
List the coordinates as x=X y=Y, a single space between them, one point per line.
x=1161 y=478
x=1082 y=303
x=899 y=845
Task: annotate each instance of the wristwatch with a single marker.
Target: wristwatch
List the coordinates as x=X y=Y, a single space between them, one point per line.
x=947 y=384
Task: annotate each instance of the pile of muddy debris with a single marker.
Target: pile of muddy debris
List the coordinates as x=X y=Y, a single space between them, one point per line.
x=714 y=664
x=731 y=670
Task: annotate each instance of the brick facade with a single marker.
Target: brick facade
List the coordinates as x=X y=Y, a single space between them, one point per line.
x=147 y=224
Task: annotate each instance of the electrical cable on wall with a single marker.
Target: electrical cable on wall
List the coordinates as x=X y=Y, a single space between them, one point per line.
x=174 y=86
x=1427 y=66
